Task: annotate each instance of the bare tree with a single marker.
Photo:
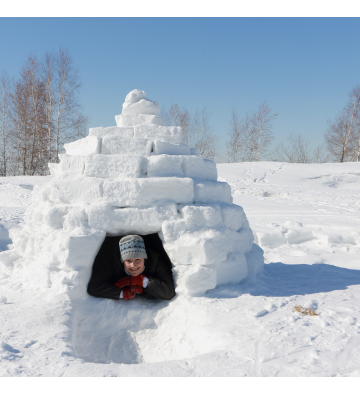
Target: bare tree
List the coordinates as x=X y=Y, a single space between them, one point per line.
x=353 y=108
x=67 y=106
x=343 y=135
x=48 y=70
x=80 y=126
x=177 y=117
x=241 y=137
x=201 y=137
x=251 y=136
x=263 y=122
x=196 y=128
x=340 y=139
x=29 y=135
x=298 y=150
x=235 y=143
x=5 y=91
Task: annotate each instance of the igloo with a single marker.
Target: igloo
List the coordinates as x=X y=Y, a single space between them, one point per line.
x=136 y=178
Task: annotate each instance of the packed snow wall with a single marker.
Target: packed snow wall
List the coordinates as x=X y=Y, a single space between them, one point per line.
x=136 y=178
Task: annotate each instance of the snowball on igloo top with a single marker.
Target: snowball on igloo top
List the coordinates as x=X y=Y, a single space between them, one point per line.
x=134 y=96
x=137 y=103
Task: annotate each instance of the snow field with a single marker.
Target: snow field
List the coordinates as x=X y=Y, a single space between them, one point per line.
x=233 y=330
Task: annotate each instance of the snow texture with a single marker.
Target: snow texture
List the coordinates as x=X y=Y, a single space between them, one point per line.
x=137 y=103
x=170 y=134
x=165 y=166
x=123 y=132
x=50 y=327
x=141 y=192
x=129 y=120
x=114 y=166
x=163 y=147
x=212 y=191
x=115 y=145
x=90 y=145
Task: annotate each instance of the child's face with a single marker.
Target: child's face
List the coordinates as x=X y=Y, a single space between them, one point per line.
x=134 y=266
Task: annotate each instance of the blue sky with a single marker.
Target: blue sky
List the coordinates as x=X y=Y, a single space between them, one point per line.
x=303 y=67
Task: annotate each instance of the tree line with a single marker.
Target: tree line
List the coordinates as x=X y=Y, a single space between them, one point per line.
x=39 y=112
x=250 y=136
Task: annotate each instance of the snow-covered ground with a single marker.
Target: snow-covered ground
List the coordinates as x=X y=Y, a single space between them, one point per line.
x=307 y=220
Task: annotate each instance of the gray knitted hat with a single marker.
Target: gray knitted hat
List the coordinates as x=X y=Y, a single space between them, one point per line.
x=132 y=246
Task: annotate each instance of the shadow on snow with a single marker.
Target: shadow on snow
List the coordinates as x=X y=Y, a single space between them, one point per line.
x=279 y=279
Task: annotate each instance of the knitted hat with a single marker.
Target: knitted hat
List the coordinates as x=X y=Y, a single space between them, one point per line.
x=132 y=246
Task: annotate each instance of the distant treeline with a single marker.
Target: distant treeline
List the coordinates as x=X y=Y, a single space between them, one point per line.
x=250 y=136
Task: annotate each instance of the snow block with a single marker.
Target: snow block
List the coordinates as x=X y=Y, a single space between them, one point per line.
x=90 y=145
x=115 y=145
x=41 y=193
x=114 y=166
x=232 y=270
x=196 y=280
x=165 y=166
x=54 y=169
x=53 y=216
x=255 y=260
x=71 y=165
x=171 y=134
x=142 y=220
x=201 y=216
x=233 y=216
x=212 y=191
x=145 y=191
x=196 y=167
x=143 y=106
x=203 y=247
x=76 y=190
x=194 y=218
x=125 y=133
x=125 y=120
x=81 y=249
x=163 y=147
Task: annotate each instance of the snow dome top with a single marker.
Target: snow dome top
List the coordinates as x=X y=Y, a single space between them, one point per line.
x=134 y=96
x=138 y=109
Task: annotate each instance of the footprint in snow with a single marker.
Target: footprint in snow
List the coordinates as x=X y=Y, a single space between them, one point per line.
x=31 y=343
x=3 y=300
x=261 y=313
x=270 y=309
x=6 y=347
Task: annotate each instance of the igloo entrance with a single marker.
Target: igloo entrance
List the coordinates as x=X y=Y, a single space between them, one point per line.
x=106 y=331
x=152 y=242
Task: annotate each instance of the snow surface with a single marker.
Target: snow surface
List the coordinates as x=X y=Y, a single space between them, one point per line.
x=304 y=217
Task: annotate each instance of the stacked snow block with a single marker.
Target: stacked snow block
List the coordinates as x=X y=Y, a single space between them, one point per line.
x=138 y=178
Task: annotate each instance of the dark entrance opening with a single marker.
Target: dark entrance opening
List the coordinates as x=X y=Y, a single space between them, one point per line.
x=152 y=242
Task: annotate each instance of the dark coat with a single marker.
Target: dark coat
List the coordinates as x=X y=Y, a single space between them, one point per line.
x=108 y=269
